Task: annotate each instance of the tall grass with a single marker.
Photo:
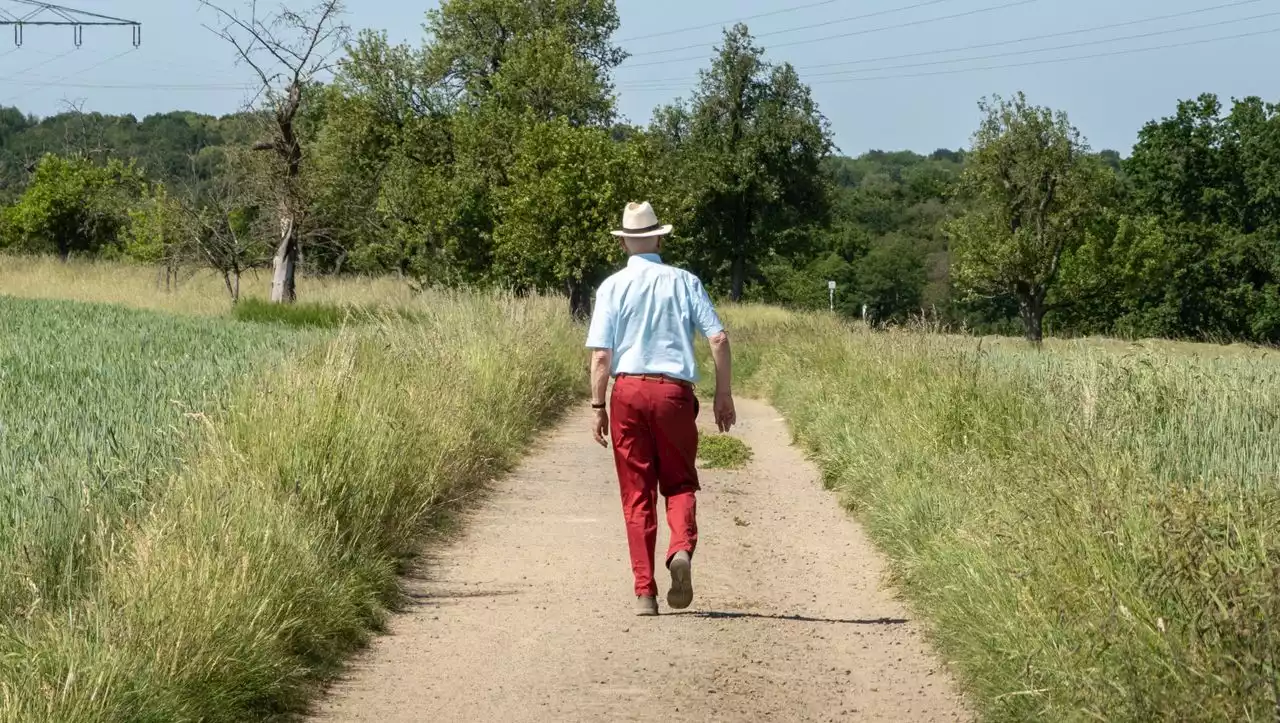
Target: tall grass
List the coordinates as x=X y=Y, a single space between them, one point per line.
x=94 y=405
x=313 y=315
x=1094 y=535
x=274 y=552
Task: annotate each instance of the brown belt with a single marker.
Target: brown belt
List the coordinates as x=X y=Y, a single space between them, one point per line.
x=657 y=378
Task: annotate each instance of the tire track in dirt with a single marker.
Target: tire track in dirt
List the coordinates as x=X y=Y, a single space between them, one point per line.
x=528 y=615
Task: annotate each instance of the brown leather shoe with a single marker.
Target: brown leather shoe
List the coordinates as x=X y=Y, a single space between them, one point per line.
x=646 y=605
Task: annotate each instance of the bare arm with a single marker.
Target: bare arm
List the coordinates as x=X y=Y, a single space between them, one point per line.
x=723 y=359
x=726 y=415
x=601 y=363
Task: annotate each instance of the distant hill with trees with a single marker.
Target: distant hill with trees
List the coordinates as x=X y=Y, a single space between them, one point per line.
x=461 y=162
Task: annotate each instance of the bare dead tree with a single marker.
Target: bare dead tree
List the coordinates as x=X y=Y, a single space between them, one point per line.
x=83 y=136
x=221 y=227
x=226 y=244
x=174 y=267
x=288 y=50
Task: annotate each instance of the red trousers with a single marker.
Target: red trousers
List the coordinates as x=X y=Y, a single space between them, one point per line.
x=655 y=445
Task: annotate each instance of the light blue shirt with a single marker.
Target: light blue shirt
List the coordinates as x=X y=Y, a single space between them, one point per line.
x=646 y=314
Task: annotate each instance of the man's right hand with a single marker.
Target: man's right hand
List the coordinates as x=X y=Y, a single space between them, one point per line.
x=600 y=428
x=726 y=415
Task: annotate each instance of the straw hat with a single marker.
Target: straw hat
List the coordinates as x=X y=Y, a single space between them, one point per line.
x=640 y=221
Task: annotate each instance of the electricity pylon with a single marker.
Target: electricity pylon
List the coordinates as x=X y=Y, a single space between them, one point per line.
x=34 y=12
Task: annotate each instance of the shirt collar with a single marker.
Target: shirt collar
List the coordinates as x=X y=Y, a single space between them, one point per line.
x=649 y=258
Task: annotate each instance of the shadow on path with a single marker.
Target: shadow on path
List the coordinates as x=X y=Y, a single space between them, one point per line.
x=712 y=615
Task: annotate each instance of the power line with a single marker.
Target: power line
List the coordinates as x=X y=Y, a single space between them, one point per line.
x=1047 y=36
x=211 y=78
x=138 y=86
x=1114 y=53
x=1000 y=43
x=691 y=28
x=21 y=78
x=798 y=28
x=866 y=31
x=1069 y=46
x=95 y=66
x=44 y=62
x=1049 y=61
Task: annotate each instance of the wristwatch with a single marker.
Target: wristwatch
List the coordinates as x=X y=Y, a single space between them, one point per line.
x=598 y=406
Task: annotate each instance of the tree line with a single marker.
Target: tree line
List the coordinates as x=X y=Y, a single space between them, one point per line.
x=492 y=154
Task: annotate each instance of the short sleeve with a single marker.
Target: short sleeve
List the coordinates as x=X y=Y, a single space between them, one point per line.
x=704 y=312
x=604 y=319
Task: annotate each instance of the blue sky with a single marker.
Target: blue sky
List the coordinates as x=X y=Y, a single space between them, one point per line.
x=873 y=95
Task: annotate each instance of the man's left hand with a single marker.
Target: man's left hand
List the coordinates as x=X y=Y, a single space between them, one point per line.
x=601 y=428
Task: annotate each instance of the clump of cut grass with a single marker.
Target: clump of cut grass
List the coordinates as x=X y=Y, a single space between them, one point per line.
x=720 y=451
x=276 y=550
x=1093 y=535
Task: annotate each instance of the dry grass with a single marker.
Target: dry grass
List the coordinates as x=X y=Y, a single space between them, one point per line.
x=199 y=292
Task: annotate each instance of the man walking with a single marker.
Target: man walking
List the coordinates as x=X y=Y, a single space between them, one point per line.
x=642 y=335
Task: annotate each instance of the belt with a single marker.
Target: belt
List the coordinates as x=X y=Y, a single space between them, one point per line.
x=657 y=378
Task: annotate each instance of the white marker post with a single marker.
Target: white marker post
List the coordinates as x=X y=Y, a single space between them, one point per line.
x=831 y=291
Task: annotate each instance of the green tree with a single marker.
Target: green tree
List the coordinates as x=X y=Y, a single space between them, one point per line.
x=749 y=148
x=385 y=145
x=1033 y=190
x=1191 y=250
x=800 y=284
x=509 y=66
x=439 y=142
x=565 y=190
x=1208 y=178
x=553 y=58
x=891 y=279
x=155 y=227
x=73 y=206
x=899 y=201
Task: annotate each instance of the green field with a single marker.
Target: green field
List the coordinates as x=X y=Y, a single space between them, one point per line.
x=97 y=406
x=203 y=516
x=1092 y=530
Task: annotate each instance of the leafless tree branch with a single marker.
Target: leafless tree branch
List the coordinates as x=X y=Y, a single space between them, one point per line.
x=318 y=37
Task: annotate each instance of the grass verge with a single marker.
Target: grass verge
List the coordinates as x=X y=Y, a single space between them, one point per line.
x=1093 y=535
x=272 y=554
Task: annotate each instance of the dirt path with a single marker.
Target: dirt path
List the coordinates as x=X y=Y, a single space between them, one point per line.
x=529 y=616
